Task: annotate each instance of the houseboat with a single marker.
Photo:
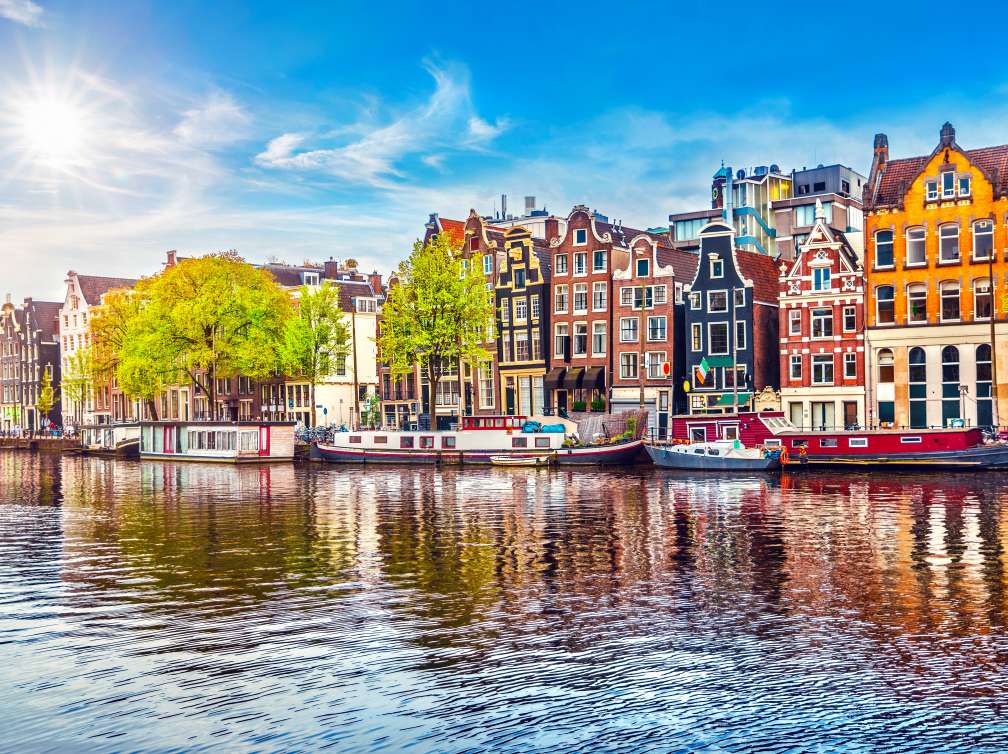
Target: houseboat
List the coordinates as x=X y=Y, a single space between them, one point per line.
x=480 y=439
x=720 y=455
x=217 y=441
x=115 y=440
x=938 y=448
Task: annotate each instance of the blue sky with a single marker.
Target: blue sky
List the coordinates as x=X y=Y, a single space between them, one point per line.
x=130 y=128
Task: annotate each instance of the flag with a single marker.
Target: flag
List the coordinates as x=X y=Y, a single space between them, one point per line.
x=700 y=371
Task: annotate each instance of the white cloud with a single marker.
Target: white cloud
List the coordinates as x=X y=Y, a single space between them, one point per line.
x=280 y=148
x=22 y=12
x=219 y=120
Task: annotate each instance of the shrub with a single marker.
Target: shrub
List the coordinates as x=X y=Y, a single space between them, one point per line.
x=598 y=404
x=578 y=405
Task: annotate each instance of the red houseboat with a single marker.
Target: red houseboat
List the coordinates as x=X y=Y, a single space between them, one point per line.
x=935 y=448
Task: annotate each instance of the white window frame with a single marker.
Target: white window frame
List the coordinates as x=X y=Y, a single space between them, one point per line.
x=820 y=359
x=710 y=306
x=488 y=264
x=696 y=344
x=580 y=236
x=580 y=289
x=950 y=192
x=973 y=227
x=695 y=301
x=562 y=260
x=820 y=315
x=794 y=323
x=931 y=190
x=574 y=340
x=626 y=296
x=850 y=365
x=710 y=339
x=716 y=268
x=664 y=328
x=597 y=287
x=942 y=287
x=852 y=311
x=636 y=321
x=822 y=279
x=796 y=361
x=557 y=291
x=740 y=335
x=629 y=358
x=605 y=261
x=595 y=331
x=582 y=257
x=941 y=245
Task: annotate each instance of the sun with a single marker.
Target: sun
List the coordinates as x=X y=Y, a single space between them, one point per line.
x=53 y=130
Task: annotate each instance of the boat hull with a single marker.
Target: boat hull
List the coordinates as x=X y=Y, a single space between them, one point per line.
x=670 y=459
x=601 y=455
x=979 y=458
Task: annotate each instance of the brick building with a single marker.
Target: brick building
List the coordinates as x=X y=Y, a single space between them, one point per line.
x=822 y=331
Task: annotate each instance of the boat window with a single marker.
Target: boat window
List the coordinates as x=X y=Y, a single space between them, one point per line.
x=427 y=442
x=698 y=434
x=828 y=442
x=447 y=442
x=698 y=451
x=405 y=442
x=519 y=442
x=355 y=439
x=772 y=443
x=380 y=439
x=857 y=442
x=713 y=452
x=799 y=443
x=542 y=442
x=730 y=432
x=910 y=440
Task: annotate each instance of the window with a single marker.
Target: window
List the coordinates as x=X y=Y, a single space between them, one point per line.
x=521 y=346
x=885 y=305
x=849 y=319
x=964 y=185
x=487 y=264
x=981 y=299
x=655 y=362
x=561 y=264
x=599 y=260
x=560 y=299
x=505 y=341
x=717 y=301
x=794 y=371
x=740 y=297
x=598 y=338
x=536 y=345
x=535 y=307
x=794 y=322
x=628 y=330
x=951 y=402
x=643 y=268
x=519 y=442
x=917 y=380
x=822 y=323
x=821 y=279
x=717 y=337
x=648 y=297
x=917 y=303
x=660 y=294
x=598 y=297
x=885 y=367
x=626 y=296
x=406 y=442
x=656 y=329
x=804 y=215
x=931 y=190
x=740 y=336
x=948 y=184
x=581 y=236
x=948 y=243
x=581 y=263
x=581 y=298
x=985 y=411
x=519 y=277
x=696 y=337
x=694 y=300
x=822 y=369
x=916 y=252
x=520 y=309
x=486 y=391
x=850 y=366
x=884 y=248
x=628 y=366
x=716 y=268
x=857 y=442
x=950 y=301
x=580 y=339
x=542 y=442
x=983 y=239
x=562 y=342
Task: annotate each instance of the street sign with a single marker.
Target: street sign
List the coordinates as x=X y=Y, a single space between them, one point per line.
x=666 y=368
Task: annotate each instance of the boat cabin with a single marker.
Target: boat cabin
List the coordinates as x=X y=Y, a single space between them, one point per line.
x=229 y=442
x=514 y=423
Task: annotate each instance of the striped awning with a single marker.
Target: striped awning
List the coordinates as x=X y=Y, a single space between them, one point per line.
x=572 y=380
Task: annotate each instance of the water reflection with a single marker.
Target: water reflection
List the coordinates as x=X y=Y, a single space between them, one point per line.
x=182 y=605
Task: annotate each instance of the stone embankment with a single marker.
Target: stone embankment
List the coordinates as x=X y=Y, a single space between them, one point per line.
x=43 y=444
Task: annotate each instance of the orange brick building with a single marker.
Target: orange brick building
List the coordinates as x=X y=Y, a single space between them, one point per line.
x=935 y=247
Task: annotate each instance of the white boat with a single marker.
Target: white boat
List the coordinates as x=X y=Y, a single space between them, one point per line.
x=119 y=440
x=535 y=461
x=217 y=441
x=720 y=455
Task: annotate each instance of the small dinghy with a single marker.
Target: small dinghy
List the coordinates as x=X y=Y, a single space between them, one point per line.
x=519 y=460
x=723 y=455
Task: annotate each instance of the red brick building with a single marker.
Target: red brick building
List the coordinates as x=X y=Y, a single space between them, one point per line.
x=648 y=327
x=822 y=352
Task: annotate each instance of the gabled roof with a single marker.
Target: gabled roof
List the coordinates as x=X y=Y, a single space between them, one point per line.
x=46 y=315
x=455 y=230
x=683 y=263
x=831 y=237
x=762 y=271
x=351 y=289
x=897 y=175
x=94 y=286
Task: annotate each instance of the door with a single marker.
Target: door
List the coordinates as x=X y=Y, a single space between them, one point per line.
x=823 y=416
x=168 y=439
x=561 y=400
x=850 y=416
x=795 y=414
x=509 y=397
x=264 y=441
x=663 y=406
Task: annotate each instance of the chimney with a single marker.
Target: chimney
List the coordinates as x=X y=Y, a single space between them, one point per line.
x=375 y=280
x=552 y=227
x=171 y=258
x=331 y=269
x=881 y=149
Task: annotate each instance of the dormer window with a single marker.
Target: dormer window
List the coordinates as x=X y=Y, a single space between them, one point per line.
x=948 y=185
x=580 y=236
x=931 y=189
x=964 y=185
x=643 y=268
x=311 y=278
x=716 y=268
x=821 y=279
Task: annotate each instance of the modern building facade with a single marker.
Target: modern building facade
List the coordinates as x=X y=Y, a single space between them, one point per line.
x=935 y=229
x=730 y=322
x=822 y=364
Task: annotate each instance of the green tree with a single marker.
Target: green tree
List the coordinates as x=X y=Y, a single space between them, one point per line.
x=77 y=381
x=437 y=314
x=204 y=318
x=46 y=397
x=317 y=338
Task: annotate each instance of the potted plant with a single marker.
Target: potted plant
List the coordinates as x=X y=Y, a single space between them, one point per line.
x=578 y=405
x=598 y=404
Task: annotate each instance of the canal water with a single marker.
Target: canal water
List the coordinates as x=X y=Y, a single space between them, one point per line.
x=148 y=606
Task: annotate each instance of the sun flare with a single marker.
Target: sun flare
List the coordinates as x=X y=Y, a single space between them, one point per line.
x=53 y=130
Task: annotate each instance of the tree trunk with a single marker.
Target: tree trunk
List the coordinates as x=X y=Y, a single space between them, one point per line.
x=313 y=418
x=152 y=408
x=433 y=379
x=212 y=390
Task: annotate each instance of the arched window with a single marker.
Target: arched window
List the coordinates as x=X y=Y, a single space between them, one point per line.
x=918 y=387
x=983 y=239
x=884 y=248
x=948 y=243
x=885 y=304
x=981 y=298
x=951 y=400
x=917 y=303
x=985 y=413
x=887 y=407
x=916 y=251
x=950 y=301
x=885 y=367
